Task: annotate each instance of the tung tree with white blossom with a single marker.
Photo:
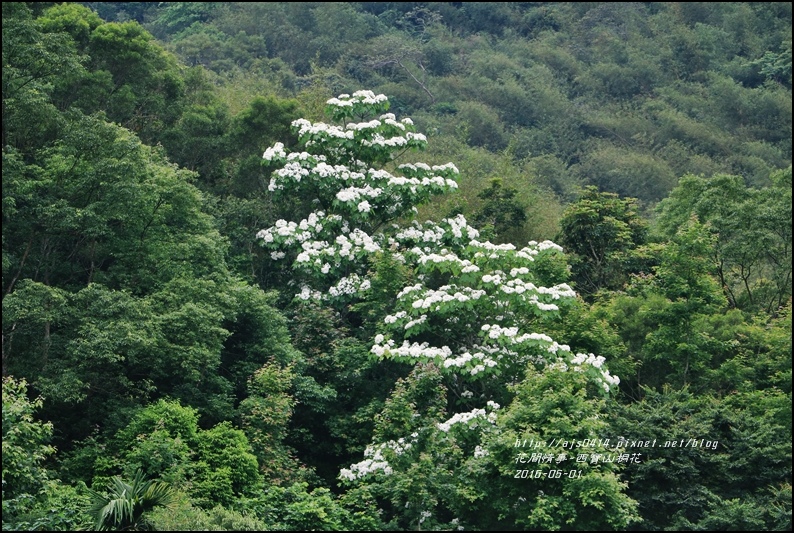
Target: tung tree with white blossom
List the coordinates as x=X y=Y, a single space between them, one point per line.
x=473 y=313
x=347 y=170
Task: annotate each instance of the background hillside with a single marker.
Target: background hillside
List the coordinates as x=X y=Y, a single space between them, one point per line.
x=626 y=96
x=147 y=331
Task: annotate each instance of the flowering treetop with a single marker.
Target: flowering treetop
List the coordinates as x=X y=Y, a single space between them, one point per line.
x=343 y=166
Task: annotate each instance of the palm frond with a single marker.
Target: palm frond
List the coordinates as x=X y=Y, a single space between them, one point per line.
x=126 y=503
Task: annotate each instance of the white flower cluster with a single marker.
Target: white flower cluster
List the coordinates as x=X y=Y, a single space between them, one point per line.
x=506 y=247
x=304 y=127
x=467 y=418
x=321 y=174
x=495 y=331
x=428 y=255
x=415 y=322
x=391 y=142
x=463 y=288
x=461 y=418
x=444 y=257
x=410 y=350
x=364 y=468
x=588 y=359
x=391 y=120
x=399 y=193
x=353 y=194
x=474 y=361
x=358 y=240
x=607 y=380
x=339 y=102
x=450 y=300
x=430 y=298
x=372 y=124
x=349 y=285
x=399 y=447
x=580 y=362
x=374 y=459
x=528 y=253
x=308 y=294
x=500 y=290
x=431 y=235
x=545 y=245
x=528 y=291
x=289 y=232
x=319 y=255
x=391 y=319
x=413 y=183
x=481 y=361
x=359 y=97
x=277 y=150
x=408 y=290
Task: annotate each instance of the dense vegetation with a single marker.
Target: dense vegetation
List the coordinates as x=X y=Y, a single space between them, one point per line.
x=195 y=338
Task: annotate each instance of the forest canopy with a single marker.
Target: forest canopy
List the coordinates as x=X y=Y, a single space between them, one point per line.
x=391 y=266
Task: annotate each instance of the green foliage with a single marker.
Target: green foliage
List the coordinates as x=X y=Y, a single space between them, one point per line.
x=127 y=75
x=104 y=206
x=555 y=407
x=777 y=65
x=683 y=272
x=25 y=449
x=752 y=232
x=263 y=121
x=125 y=505
x=265 y=415
x=183 y=516
x=128 y=295
x=602 y=233
x=587 y=331
x=745 y=470
x=661 y=320
x=160 y=440
x=60 y=508
x=108 y=340
x=500 y=210
x=163 y=440
x=216 y=466
x=32 y=499
x=160 y=454
x=72 y=19
x=33 y=61
x=295 y=508
x=230 y=469
x=336 y=424
x=626 y=172
x=479 y=126
x=416 y=400
x=178 y=17
x=468 y=474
